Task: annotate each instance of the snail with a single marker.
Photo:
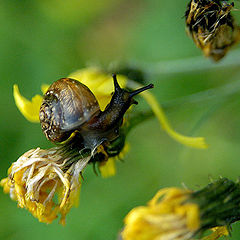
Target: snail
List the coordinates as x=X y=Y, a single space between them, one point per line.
x=69 y=106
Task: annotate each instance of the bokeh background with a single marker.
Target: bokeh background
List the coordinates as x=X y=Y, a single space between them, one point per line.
x=42 y=41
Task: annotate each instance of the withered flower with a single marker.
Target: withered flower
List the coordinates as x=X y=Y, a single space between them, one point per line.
x=46 y=182
x=212 y=26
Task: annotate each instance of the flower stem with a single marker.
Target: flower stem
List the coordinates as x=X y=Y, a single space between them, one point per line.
x=188 y=65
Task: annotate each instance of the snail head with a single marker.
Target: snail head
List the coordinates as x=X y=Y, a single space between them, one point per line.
x=121 y=100
x=124 y=99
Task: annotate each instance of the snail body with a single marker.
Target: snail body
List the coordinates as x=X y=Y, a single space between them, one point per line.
x=69 y=106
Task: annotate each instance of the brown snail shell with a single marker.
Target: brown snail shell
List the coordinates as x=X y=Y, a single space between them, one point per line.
x=67 y=104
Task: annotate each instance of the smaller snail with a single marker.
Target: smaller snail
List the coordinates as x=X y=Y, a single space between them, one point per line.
x=69 y=106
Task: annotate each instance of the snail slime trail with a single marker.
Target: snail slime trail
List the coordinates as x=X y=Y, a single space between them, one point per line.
x=70 y=107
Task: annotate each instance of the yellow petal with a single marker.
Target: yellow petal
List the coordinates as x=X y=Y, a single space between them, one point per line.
x=195 y=142
x=192 y=213
x=108 y=169
x=29 y=109
x=44 y=88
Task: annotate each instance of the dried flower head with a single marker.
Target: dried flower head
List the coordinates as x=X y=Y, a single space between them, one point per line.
x=212 y=27
x=46 y=182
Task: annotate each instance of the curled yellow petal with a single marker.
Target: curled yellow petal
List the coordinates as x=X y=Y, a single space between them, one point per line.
x=195 y=142
x=29 y=109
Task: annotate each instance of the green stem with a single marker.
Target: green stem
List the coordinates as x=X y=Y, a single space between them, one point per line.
x=206 y=95
x=188 y=65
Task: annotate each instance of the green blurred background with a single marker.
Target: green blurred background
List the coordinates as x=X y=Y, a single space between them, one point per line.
x=42 y=41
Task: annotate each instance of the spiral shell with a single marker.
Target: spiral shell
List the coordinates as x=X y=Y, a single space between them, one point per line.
x=66 y=106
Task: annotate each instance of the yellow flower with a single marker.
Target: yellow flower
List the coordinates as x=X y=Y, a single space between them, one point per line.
x=101 y=85
x=175 y=214
x=167 y=216
x=45 y=182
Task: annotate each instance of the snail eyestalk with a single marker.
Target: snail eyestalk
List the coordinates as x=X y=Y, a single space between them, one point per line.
x=121 y=100
x=135 y=92
x=117 y=87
